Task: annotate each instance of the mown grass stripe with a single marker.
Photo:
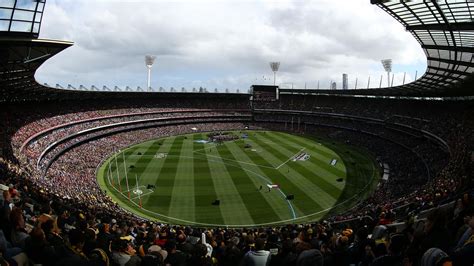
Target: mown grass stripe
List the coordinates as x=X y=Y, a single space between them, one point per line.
x=315 y=178
x=149 y=170
x=323 y=177
x=322 y=154
x=358 y=165
x=324 y=149
x=204 y=189
x=233 y=206
x=260 y=210
x=163 y=179
x=117 y=160
x=322 y=158
x=182 y=197
x=298 y=174
x=362 y=176
x=256 y=160
x=275 y=200
x=305 y=199
x=127 y=154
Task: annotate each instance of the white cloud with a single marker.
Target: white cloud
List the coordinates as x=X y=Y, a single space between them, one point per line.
x=223 y=44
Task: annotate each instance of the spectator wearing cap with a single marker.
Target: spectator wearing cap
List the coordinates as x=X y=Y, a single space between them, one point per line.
x=155 y=256
x=155 y=249
x=259 y=256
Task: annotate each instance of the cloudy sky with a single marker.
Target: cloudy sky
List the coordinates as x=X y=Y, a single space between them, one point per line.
x=225 y=43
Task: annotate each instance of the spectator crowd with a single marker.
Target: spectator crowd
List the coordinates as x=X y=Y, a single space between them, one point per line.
x=57 y=215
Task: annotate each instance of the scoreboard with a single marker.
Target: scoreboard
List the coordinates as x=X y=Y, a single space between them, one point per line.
x=264 y=93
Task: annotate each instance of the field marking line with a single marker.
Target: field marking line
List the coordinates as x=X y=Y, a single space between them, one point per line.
x=143 y=210
x=278 y=167
x=259 y=176
x=241 y=225
x=246 y=225
x=134 y=188
x=213 y=145
x=142 y=195
x=271 y=182
x=240 y=162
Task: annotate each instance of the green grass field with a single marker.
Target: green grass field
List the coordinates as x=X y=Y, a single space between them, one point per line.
x=188 y=176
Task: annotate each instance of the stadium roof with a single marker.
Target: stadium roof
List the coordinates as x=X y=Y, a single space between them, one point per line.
x=21 y=17
x=445 y=30
x=19 y=60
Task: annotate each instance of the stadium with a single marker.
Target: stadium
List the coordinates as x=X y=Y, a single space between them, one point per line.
x=275 y=176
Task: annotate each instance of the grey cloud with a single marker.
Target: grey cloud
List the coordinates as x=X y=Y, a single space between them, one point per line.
x=220 y=44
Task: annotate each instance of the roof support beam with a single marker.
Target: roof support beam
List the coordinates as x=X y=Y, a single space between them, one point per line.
x=450 y=61
x=449 y=48
x=448 y=70
x=442 y=76
x=461 y=26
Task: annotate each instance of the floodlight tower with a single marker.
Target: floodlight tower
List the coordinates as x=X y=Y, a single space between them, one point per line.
x=275 y=66
x=149 y=60
x=387 y=65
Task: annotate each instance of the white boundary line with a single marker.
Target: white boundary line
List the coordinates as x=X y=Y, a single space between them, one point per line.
x=142 y=195
x=210 y=143
x=278 y=167
x=264 y=166
x=265 y=179
x=197 y=223
x=245 y=225
x=250 y=225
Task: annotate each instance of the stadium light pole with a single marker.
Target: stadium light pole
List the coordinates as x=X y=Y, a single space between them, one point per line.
x=387 y=65
x=275 y=66
x=149 y=60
